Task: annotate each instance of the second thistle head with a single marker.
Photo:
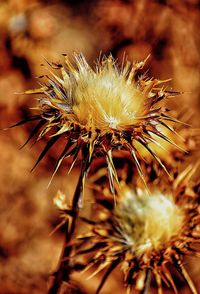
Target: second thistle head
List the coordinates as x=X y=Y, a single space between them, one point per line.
x=145 y=236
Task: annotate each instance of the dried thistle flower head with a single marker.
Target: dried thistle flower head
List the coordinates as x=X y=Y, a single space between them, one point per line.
x=144 y=234
x=100 y=110
x=139 y=217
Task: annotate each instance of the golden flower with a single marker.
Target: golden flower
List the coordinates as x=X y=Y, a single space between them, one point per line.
x=100 y=110
x=144 y=234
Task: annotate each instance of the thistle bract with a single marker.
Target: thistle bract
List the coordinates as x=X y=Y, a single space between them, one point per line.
x=144 y=235
x=99 y=110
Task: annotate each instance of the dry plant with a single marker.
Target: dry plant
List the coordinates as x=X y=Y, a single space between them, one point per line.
x=33 y=29
x=147 y=225
x=101 y=110
x=143 y=234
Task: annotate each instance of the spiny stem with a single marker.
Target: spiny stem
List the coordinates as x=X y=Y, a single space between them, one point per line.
x=64 y=269
x=147 y=282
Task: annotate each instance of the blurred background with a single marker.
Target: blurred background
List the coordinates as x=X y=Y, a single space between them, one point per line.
x=32 y=30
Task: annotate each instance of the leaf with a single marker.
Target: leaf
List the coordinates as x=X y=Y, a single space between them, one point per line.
x=154 y=155
x=132 y=150
x=160 y=135
x=60 y=159
x=49 y=144
x=169 y=278
x=92 y=248
x=140 y=171
x=34 y=132
x=26 y=120
x=112 y=174
x=106 y=275
x=78 y=148
x=185 y=275
x=36 y=91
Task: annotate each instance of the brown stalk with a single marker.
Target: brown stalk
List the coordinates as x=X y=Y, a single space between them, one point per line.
x=64 y=268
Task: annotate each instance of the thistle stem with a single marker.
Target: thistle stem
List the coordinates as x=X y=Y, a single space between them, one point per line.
x=147 y=282
x=64 y=269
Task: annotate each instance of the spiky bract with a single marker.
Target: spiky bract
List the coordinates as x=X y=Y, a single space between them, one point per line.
x=145 y=234
x=103 y=109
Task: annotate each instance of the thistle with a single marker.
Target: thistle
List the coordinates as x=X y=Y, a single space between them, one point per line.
x=101 y=110
x=144 y=234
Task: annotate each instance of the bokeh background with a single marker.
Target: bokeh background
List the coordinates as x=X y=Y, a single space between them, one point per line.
x=34 y=30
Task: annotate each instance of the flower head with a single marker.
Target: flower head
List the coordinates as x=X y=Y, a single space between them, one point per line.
x=100 y=110
x=144 y=234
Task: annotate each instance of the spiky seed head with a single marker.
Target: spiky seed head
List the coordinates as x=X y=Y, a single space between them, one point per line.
x=101 y=109
x=144 y=234
x=148 y=222
x=105 y=100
